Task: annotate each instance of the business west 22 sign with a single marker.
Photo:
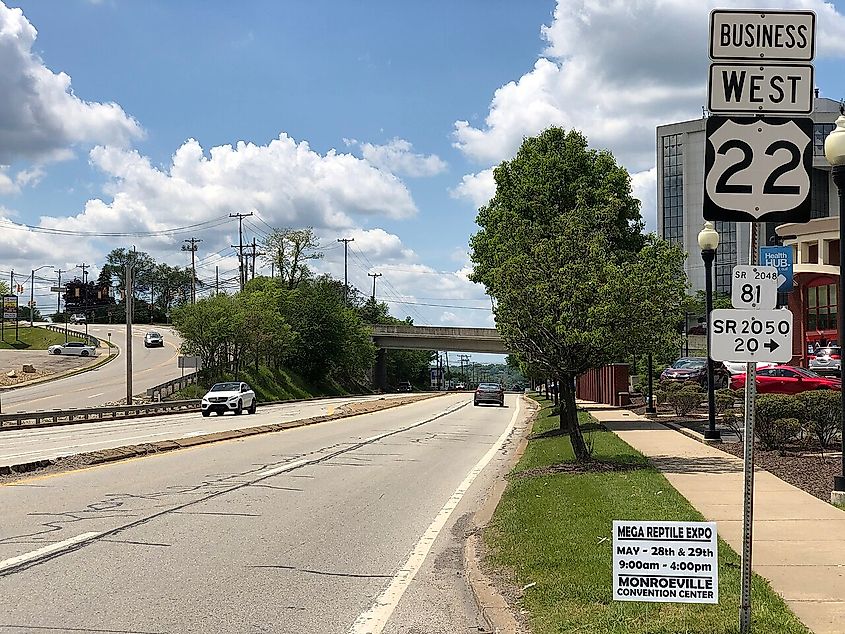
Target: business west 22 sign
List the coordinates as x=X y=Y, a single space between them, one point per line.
x=757 y=168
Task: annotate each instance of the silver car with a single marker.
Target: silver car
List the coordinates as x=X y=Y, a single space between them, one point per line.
x=73 y=347
x=827 y=360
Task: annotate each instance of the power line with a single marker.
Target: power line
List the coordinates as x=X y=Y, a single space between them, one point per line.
x=208 y=224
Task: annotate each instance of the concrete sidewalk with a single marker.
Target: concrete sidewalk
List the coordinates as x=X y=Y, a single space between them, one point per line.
x=799 y=540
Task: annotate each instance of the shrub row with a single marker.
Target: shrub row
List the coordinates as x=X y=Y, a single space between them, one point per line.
x=781 y=418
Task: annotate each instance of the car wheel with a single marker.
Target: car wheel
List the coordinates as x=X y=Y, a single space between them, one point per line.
x=84 y=353
x=206 y=413
x=239 y=409
x=253 y=407
x=57 y=351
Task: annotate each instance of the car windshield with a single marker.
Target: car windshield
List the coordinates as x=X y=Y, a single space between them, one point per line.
x=153 y=334
x=225 y=387
x=826 y=352
x=689 y=364
x=489 y=387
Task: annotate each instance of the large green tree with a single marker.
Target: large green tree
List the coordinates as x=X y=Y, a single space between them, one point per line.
x=289 y=251
x=562 y=252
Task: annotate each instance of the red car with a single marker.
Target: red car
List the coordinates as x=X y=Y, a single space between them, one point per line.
x=786 y=379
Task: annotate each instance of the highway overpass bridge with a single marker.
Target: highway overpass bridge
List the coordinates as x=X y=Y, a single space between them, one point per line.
x=393 y=337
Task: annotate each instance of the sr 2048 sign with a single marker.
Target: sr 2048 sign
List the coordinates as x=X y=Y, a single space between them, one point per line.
x=758 y=170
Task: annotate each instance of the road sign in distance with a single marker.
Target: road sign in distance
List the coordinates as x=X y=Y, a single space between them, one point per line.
x=665 y=562
x=758 y=170
x=763 y=35
x=771 y=88
x=751 y=335
x=781 y=259
x=754 y=287
x=57 y=289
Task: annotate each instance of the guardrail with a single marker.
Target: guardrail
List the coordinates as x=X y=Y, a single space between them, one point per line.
x=89 y=339
x=167 y=388
x=24 y=420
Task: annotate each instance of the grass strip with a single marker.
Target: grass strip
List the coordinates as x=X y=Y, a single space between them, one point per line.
x=32 y=338
x=553 y=534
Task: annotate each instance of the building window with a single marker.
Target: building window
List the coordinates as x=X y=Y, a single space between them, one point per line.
x=821 y=307
x=819 y=194
x=673 y=187
x=820 y=132
x=726 y=256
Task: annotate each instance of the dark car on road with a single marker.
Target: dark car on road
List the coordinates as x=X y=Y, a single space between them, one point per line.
x=489 y=393
x=695 y=369
x=404 y=386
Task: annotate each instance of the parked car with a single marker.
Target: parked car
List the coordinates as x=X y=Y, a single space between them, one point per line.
x=695 y=369
x=153 y=339
x=73 y=348
x=461 y=386
x=489 y=393
x=826 y=360
x=404 y=386
x=77 y=318
x=787 y=379
x=229 y=397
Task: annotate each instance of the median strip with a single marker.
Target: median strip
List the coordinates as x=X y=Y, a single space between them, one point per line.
x=82 y=460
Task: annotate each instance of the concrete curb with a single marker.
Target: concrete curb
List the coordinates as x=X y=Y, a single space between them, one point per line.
x=493 y=607
x=103 y=360
x=82 y=460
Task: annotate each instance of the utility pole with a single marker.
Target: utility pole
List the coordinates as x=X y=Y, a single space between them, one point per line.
x=374 y=276
x=255 y=254
x=240 y=246
x=216 y=280
x=84 y=268
x=193 y=249
x=346 y=242
x=130 y=302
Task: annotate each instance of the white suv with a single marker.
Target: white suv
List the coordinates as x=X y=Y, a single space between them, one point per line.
x=229 y=397
x=78 y=318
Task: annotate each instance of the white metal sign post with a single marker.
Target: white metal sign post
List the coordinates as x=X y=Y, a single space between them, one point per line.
x=757 y=169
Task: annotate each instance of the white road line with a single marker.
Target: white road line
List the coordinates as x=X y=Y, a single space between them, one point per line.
x=282 y=469
x=96 y=395
x=375 y=618
x=47 y=550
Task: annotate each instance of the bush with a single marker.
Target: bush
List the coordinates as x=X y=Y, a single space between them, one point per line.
x=734 y=421
x=823 y=413
x=771 y=410
x=724 y=400
x=685 y=400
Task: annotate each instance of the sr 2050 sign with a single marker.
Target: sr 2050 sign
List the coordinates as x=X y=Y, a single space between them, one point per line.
x=751 y=335
x=758 y=170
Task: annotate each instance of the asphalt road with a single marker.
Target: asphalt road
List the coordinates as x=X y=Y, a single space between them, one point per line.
x=106 y=383
x=352 y=526
x=26 y=445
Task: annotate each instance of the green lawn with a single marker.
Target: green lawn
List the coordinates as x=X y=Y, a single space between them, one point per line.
x=32 y=338
x=555 y=531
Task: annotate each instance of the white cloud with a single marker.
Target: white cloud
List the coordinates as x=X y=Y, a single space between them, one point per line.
x=615 y=69
x=644 y=185
x=40 y=116
x=398 y=157
x=479 y=188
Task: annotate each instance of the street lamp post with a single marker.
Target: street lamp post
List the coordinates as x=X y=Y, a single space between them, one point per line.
x=32 y=293
x=834 y=152
x=708 y=240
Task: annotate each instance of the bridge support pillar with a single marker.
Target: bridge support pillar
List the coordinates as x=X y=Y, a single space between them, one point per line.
x=380 y=375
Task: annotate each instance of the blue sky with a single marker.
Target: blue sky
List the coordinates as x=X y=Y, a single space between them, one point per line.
x=418 y=101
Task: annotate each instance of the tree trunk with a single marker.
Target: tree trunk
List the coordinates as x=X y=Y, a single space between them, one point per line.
x=569 y=417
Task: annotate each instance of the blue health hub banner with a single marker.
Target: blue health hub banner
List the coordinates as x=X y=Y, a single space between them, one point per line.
x=781 y=259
